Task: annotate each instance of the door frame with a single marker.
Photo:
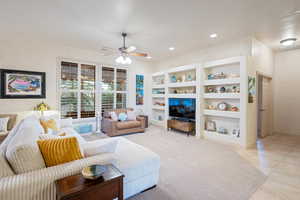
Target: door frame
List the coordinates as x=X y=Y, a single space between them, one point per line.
x=261 y=74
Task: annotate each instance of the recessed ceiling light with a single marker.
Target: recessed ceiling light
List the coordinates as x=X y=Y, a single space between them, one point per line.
x=288 y=41
x=214 y=35
x=171 y=48
x=148 y=57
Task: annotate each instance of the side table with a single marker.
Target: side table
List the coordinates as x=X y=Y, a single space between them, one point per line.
x=107 y=187
x=146 y=120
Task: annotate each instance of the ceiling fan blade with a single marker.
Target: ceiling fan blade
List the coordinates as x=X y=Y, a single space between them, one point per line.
x=130 y=49
x=138 y=54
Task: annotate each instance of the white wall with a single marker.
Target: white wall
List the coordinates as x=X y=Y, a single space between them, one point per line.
x=229 y=49
x=43 y=57
x=286 y=92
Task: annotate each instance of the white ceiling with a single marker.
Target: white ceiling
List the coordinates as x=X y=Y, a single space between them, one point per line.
x=153 y=25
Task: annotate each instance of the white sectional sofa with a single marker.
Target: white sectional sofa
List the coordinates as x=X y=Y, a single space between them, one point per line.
x=23 y=177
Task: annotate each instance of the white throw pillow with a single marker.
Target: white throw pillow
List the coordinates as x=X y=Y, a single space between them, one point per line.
x=113 y=116
x=100 y=146
x=3 y=124
x=131 y=116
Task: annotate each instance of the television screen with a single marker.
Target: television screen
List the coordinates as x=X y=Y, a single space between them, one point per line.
x=182 y=108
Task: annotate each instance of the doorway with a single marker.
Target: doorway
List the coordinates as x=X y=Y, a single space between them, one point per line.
x=264 y=106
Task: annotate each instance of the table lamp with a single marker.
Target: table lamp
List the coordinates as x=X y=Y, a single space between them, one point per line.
x=42 y=107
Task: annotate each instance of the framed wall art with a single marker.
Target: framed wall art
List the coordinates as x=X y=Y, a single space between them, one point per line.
x=16 y=84
x=139 y=89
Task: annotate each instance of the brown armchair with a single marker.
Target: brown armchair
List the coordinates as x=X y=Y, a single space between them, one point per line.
x=114 y=128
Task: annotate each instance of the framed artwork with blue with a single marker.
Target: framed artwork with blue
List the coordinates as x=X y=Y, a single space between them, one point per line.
x=139 y=89
x=16 y=84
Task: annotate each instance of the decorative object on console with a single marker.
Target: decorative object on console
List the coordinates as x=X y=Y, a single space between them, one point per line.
x=234 y=109
x=210 y=125
x=22 y=84
x=190 y=77
x=236 y=132
x=139 y=89
x=222 y=90
x=173 y=79
x=42 y=107
x=223 y=106
x=221 y=75
x=94 y=171
x=211 y=107
x=222 y=130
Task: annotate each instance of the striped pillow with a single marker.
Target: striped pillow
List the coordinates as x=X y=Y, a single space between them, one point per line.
x=59 y=151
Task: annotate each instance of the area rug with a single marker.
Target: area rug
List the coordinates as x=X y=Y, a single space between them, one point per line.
x=195 y=169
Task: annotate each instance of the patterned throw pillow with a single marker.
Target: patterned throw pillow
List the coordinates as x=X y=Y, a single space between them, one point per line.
x=3 y=124
x=59 y=151
x=122 y=116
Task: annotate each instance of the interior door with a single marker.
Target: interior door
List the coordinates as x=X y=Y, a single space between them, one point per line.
x=266 y=107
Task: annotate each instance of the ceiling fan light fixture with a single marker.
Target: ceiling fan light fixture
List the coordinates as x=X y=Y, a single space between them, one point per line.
x=213 y=35
x=124 y=60
x=288 y=42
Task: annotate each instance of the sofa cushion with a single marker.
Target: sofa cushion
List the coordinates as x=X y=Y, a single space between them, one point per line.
x=140 y=163
x=101 y=146
x=128 y=124
x=22 y=152
x=3 y=124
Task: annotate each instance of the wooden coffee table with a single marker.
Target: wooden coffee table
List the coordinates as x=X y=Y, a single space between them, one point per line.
x=107 y=187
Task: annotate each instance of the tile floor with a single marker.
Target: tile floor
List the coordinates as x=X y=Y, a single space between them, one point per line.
x=278 y=157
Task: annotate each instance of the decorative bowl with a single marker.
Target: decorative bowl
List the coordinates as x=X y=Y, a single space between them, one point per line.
x=94 y=171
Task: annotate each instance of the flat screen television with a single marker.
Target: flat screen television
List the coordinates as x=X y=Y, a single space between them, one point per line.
x=182 y=108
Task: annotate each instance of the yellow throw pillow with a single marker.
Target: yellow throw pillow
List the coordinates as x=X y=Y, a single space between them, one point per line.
x=62 y=134
x=59 y=151
x=49 y=124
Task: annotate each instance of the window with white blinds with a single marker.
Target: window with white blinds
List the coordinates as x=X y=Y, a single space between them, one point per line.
x=114 y=88
x=79 y=91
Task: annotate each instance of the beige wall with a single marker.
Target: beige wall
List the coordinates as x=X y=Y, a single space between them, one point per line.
x=286 y=92
x=43 y=57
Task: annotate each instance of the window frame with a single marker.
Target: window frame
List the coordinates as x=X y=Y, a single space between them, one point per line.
x=98 y=86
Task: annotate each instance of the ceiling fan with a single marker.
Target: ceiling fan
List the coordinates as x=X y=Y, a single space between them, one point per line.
x=128 y=51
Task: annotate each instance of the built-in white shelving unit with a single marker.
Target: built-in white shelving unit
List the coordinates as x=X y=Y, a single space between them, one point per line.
x=158 y=99
x=179 y=82
x=212 y=84
x=224 y=100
